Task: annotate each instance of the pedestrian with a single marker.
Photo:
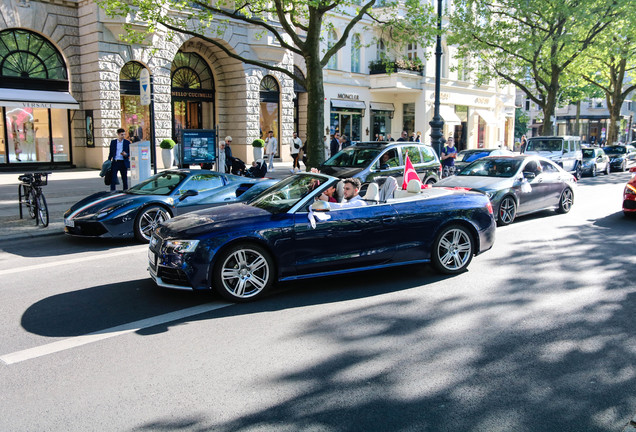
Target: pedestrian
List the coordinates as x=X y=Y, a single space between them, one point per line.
x=295 y=152
x=271 y=145
x=449 y=153
x=524 y=143
x=418 y=137
x=389 y=137
x=119 y=154
x=334 y=146
x=404 y=136
x=229 y=160
x=220 y=163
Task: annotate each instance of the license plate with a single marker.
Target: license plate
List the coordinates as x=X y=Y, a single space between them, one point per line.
x=152 y=257
x=69 y=223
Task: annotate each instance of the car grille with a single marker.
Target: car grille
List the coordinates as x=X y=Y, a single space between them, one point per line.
x=172 y=276
x=91 y=229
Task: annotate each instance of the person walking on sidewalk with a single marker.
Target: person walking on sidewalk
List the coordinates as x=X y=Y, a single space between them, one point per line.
x=119 y=154
x=271 y=145
x=295 y=152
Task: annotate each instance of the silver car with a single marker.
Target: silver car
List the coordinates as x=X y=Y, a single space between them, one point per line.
x=517 y=185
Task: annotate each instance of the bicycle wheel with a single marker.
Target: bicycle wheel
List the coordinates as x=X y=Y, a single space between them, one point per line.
x=43 y=210
x=29 y=200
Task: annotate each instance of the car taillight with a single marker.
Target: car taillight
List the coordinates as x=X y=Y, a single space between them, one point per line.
x=489 y=207
x=630 y=190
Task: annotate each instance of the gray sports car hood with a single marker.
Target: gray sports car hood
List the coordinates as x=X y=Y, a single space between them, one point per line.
x=475 y=182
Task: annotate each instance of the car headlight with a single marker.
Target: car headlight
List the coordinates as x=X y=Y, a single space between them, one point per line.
x=630 y=190
x=181 y=246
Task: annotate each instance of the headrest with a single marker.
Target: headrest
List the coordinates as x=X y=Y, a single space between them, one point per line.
x=373 y=192
x=414 y=186
x=340 y=190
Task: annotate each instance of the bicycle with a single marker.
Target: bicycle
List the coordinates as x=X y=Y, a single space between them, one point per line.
x=30 y=194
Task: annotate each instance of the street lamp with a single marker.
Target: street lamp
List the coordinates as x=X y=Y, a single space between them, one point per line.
x=437 y=123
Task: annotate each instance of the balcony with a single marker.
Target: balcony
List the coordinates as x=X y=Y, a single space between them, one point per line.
x=401 y=76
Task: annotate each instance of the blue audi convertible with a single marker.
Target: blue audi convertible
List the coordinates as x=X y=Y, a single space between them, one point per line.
x=140 y=209
x=285 y=233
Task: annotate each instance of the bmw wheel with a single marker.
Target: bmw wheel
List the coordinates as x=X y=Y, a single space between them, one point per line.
x=566 y=201
x=452 y=250
x=148 y=220
x=507 y=211
x=243 y=273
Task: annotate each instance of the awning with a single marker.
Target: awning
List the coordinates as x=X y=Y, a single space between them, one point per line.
x=488 y=116
x=448 y=114
x=382 y=106
x=351 y=104
x=37 y=99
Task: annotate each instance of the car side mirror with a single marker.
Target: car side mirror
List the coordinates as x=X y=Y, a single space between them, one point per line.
x=320 y=206
x=188 y=193
x=529 y=175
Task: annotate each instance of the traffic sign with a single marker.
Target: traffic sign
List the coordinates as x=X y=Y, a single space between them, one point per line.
x=144 y=86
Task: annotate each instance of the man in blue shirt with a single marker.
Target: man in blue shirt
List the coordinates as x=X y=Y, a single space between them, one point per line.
x=449 y=153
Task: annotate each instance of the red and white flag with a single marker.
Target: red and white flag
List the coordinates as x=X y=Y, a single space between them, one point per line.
x=409 y=173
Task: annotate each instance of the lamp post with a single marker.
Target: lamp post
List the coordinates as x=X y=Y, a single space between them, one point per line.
x=437 y=123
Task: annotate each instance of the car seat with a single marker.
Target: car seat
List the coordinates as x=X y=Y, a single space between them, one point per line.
x=413 y=187
x=388 y=189
x=373 y=193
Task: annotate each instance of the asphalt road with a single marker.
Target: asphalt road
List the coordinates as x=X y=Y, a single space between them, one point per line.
x=536 y=336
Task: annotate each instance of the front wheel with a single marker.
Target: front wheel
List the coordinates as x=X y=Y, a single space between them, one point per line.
x=594 y=170
x=148 y=220
x=507 y=211
x=43 y=210
x=607 y=169
x=578 y=173
x=452 y=250
x=566 y=201
x=243 y=273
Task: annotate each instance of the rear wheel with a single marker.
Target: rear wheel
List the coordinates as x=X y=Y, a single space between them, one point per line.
x=243 y=273
x=507 y=211
x=29 y=200
x=607 y=169
x=594 y=170
x=566 y=201
x=452 y=250
x=578 y=173
x=148 y=220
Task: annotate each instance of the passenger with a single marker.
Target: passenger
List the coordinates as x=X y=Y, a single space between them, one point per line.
x=327 y=195
x=351 y=197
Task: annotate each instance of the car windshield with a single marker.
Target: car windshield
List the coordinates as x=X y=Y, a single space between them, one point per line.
x=614 y=150
x=285 y=194
x=353 y=157
x=551 y=145
x=471 y=155
x=492 y=168
x=588 y=153
x=159 y=184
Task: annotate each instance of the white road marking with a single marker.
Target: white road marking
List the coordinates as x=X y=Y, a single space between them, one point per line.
x=136 y=249
x=62 y=345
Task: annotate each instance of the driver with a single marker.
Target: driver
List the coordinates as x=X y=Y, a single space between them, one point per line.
x=350 y=192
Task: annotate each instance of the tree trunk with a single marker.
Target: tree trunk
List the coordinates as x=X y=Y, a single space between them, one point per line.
x=614 y=108
x=577 y=123
x=315 y=94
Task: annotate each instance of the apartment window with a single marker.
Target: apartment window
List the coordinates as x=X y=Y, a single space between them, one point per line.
x=381 y=49
x=355 y=53
x=332 y=38
x=411 y=51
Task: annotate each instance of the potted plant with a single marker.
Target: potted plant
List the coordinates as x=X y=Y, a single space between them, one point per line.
x=167 y=148
x=258 y=145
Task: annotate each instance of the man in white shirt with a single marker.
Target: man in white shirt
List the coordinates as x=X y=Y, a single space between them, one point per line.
x=295 y=149
x=350 y=192
x=271 y=145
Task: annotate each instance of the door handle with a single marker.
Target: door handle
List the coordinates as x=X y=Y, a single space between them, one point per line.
x=389 y=220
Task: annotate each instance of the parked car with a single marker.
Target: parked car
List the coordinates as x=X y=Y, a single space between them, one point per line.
x=368 y=160
x=565 y=151
x=241 y=250
x=595 y=161
x=620 y=156
x=465 y=157
x=517 y=185
x=629 y=195
x=138 y=210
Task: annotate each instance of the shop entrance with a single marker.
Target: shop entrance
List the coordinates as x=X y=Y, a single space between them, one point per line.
x=348 y=124
x=380 y=124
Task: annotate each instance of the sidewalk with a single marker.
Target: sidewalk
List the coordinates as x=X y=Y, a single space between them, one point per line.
x=64 y=188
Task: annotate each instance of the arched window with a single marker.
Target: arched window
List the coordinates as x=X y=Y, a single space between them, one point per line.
x=27 y=60
x=355 y=53
x=135 y=117
x=270 y=108
x=332 y=38
x=380 y=49
x=191 y=71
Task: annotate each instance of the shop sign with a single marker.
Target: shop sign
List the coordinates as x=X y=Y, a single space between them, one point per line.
x=482 y=101
x=144 y=87
x=191 y=94
x=350 y=96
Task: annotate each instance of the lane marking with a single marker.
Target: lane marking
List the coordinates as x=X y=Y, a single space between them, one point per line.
x=62 y=345
x=106 y=254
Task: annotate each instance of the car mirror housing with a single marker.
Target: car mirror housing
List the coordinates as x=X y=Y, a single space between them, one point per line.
x=188 y=193
x=320 y=205
x=529 y=175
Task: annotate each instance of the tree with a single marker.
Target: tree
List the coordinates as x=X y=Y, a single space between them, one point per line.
x=297 y=25
x=530 y=44
x=521 y=123
x=610 y=67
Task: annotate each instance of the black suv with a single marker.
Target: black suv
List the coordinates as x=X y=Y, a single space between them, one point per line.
x=368 y=160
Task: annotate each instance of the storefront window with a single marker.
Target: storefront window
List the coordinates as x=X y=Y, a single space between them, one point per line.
x=135 y=117
x=381 y=124
x=59 y=130
x=3 y=152
x=270 y=112
x=28 y=132
x=408 y=118
x=346 y=123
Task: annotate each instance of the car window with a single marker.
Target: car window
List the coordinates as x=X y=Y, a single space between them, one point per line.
x=159 y=184
x=202 y=182
x=389 y=159
x=551 y=145
x=285 y=194
x=428 y=154
x=548 y=167
x=492 y=168
x=413 y=152
x=588 y=153
x=614 y=150
x=353 y=156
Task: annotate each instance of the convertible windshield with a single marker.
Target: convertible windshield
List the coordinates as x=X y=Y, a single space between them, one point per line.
x=284 y=195
x=551 y=145
x=588 y=153
x=353 y=157
x=159 y=184
x=492 y=168
x=470 y=155
x=615 y=150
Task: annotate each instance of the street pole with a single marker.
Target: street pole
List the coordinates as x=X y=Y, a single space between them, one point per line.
x=437 y=123
x=153 y=150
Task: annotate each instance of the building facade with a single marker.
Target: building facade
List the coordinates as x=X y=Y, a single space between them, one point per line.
x=69 y=82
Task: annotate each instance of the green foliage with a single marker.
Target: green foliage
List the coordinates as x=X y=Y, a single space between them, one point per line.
x=167 y=144
x=521 y=122
x=258 y=143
